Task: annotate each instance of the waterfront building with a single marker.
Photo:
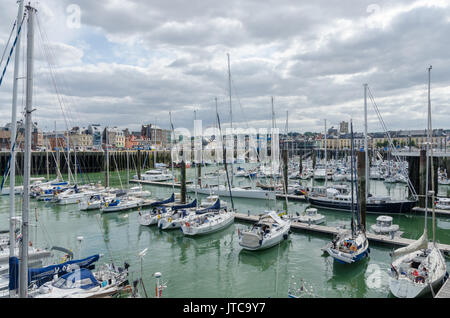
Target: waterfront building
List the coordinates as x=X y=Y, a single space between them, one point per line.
x=97 y=135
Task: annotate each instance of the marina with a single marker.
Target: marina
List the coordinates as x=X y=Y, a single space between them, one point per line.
x=172 y=250
x=125 y=208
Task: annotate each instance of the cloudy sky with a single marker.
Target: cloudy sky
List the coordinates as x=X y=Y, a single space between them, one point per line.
x=129 y=62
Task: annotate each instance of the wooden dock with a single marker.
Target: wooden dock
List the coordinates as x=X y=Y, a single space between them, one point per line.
x=382 y=239
x=444 y=292
x=436 y=211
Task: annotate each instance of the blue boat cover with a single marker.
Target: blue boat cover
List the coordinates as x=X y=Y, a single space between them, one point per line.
x=44 y=274
x=114 y=202
x=81 y=274
x=193 y=204
x=215 y=206
x=169 y=200
x=59 y=183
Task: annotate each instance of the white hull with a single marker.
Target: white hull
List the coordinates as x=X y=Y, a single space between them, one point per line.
x=148 y=219
x=236 y=192
x=269 y=242
x=217 y=223
x=17 y=190
x=311 y=220
x=73 y=199
x=410 y=285
x=85 y=206
x=121 y=206
x=172 y=222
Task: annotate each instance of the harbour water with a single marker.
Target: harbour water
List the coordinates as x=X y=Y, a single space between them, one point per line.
x=214 y=265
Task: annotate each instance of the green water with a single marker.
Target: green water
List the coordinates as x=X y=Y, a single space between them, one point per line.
x=214 y=265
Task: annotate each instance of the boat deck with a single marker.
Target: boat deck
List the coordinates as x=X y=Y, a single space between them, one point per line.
x=378 y=238
x=444 y=292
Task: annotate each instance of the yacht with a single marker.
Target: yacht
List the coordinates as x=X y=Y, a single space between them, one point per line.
x=311 y=216
x=156 y=175
x=384 y=225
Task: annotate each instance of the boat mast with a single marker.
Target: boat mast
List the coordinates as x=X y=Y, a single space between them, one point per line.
x=196 y=163
x=172 y=136
x=427 y=153
x=325 y=150
x=231 y=119
x=68 y=156
x=23 y=268
x=351 y=169
x=430 y=134
x=272 y=154
x=12 y=166
x=366 y=149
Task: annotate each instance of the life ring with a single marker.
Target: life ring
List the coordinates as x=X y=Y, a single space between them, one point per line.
x=187 y=224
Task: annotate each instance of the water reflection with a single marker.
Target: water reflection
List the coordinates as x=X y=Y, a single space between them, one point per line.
x=264 y=259
x=347 y=279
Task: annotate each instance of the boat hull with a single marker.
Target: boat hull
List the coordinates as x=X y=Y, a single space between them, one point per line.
x=378 y=208
x=268 y=243
x=202 y=230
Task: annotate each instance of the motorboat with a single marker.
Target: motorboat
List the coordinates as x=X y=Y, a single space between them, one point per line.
x=311 y=216
x=384 y=225
x=443 y=203
x=236 y=192
x=139 y=192
x=156 y=175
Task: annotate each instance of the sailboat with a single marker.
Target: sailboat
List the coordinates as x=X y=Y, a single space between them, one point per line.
x=350 y=246
x=215 y=217
x=208 y=220
x=157 y=211
x=374 y=204
x=419 y=267
x=271 y=228
x=269 y=231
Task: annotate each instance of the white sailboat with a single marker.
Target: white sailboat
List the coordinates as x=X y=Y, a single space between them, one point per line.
x=84 y=283
x=269 y=231
x=419 y=267
x=208 y=220
x=350 y=246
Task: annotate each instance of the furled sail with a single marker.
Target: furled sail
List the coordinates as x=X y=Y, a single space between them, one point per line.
x=421 y=243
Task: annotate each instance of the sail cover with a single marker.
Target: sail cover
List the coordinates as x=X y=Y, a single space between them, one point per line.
x=421 y=243
x=193 y=204
x=44 y=274
x=169 y=200
x=215 y=206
